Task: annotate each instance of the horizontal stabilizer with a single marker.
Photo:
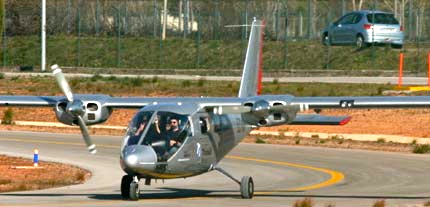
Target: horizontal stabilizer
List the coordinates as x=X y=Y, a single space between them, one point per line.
x=316 y=119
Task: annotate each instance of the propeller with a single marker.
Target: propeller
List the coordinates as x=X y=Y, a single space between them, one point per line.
x=75 y=108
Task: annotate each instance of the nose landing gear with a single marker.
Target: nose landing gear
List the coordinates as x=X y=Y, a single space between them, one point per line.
x=130 y=187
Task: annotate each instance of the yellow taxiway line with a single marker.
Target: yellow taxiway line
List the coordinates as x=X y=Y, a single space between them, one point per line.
x=335 y=176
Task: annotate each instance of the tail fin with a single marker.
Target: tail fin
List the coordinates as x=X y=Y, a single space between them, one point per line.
x=250 y=84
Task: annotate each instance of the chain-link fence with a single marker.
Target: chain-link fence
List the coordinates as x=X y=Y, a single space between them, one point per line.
x=128 y=34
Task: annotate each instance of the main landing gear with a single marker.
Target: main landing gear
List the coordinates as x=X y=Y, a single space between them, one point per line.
x=130 y=187
x=246 y=184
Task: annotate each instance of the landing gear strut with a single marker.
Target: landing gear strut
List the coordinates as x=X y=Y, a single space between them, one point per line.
x=246 y=184
x=130 y=187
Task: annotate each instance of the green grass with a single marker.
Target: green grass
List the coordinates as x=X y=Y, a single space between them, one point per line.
x=175 y=53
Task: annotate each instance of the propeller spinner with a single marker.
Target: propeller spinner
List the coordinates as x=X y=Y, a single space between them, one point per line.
x=75 y=108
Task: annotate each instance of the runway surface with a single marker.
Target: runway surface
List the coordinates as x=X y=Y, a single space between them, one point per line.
x=282 y=175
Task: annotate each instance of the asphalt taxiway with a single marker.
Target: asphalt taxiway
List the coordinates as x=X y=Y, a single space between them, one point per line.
x=282 y=175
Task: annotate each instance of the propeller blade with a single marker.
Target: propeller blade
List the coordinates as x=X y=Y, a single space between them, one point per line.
x=90 y=145
x=231 y=109
x=62 y=82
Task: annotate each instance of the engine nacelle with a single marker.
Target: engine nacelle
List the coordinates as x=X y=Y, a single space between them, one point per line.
x=94 y=113
x=261 y=115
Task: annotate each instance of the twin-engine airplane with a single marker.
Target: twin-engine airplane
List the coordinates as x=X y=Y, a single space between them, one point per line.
x=186 y=136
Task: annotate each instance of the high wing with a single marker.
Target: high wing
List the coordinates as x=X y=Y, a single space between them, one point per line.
x=363 y=102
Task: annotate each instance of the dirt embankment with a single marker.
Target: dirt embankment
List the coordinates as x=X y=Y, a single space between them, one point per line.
x=49 y=175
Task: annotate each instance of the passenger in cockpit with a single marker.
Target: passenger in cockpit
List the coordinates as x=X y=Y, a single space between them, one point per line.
x=173 y=134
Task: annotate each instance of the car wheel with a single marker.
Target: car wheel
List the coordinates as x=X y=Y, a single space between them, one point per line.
x=359 y=42
x=325 y=40
x=397 y=46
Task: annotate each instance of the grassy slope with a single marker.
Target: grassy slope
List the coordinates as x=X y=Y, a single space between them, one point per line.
x=160 y=87
x=213 y=54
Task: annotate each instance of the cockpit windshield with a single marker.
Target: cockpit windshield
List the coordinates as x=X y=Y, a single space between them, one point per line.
x=138 y=126
x=164 y=131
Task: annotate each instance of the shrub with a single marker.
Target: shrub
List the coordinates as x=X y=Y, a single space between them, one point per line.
x=380 y=140
x=1 y=75
x=297 y=141
x=96 y=77
x=186 y=83
x=260 y=141
x=421 y=148
x=307 y=202
x=201 y=82
x=414 y=142
x=8 y=117
x=379 y=203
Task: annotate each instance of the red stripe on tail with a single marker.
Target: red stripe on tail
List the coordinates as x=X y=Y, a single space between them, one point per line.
x=260 y=65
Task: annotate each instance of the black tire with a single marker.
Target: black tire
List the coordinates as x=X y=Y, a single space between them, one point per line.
x=325 y=40
x=134 y=191
x=247 y=187
x=359 y=42
x=125 y=186
x=396 y=46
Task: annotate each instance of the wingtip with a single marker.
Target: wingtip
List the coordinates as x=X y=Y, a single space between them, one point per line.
x=345 y=120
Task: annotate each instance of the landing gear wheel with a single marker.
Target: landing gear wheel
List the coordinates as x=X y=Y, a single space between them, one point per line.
x=247 y=187
x=134 y=191
x=125 y=186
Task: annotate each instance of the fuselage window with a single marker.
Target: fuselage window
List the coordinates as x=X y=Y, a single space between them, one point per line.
x=204 y=125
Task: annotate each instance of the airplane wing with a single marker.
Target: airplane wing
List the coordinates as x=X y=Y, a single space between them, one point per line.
x=29 y=100
x=316 y=119
x=363 y=102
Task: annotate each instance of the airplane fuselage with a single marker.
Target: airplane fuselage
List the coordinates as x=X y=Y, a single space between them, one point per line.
x=210 y=137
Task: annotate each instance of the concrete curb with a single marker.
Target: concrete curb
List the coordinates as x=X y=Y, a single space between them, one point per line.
x=356 y=137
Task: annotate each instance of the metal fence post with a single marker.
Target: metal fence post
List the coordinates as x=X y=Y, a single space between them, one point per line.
x=4 y=34
x=155 y=19
x=118 y=47
x=198 y=39
x=417 y=40
x=78 y=40
x=97 y=17
x=373 y=33
x=286 y=36
x=160 y=45
x=410 y=20
x=309 y=19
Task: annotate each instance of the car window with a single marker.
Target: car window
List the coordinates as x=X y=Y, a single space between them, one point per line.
x=357 y=18
x=382 y=18
x=347 y=19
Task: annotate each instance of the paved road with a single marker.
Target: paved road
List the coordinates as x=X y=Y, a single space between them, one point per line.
x=368 y=176
x=379 y=80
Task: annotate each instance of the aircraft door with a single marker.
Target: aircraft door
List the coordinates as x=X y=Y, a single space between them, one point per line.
x=204 y=146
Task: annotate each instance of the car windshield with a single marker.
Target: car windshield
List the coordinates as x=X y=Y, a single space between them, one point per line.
x=381 y=18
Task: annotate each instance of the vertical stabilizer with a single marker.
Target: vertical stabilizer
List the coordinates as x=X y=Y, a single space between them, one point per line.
x=250 y=84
